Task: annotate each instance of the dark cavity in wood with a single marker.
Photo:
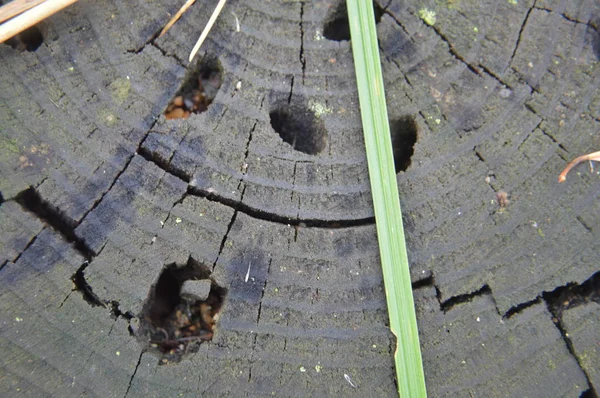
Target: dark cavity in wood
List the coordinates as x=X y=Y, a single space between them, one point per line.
x=447 y=305
x=29 y=40
x=573 y=295
x=404 y=137
x=337 y=27
x=198 y=90
x=85 y=289
x=298 y=125
x=174 y=323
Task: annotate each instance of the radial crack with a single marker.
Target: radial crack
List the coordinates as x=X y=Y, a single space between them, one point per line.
x=31 y=201
x=14 y=260
x=521 y=32
x=134 y=372
x=569 y=343
x=460 y=58
x=448 y=304
x=301 y=55
x=231 y=222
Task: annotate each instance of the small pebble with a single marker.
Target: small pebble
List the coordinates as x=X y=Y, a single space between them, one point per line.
x=505 y=93
x=178 y=101
x=176 y=113
x=189 y=103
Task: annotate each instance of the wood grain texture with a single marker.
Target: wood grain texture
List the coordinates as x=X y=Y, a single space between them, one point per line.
x=504 y=95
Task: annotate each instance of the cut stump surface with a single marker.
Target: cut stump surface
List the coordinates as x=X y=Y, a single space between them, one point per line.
x=265 y=189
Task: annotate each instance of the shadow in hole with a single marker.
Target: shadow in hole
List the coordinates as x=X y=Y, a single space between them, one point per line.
x=337 y=27
x=199 y=89
x=28 y=40
x=177 y=316
x=298 y=125
x=404 y=136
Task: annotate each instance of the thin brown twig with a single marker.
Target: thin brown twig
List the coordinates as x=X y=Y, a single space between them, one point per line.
x=31 y=17
x=177 y=15
x=594 y=156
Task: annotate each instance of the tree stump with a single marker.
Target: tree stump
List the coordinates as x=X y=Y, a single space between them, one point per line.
x=110 y=210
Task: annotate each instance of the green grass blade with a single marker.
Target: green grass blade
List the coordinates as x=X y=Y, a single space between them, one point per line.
x=390 y=232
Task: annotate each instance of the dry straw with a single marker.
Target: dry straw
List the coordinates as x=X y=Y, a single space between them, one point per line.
x=23 y=14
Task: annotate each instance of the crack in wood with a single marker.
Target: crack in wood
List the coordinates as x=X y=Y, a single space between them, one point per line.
x=572 y=295
x=484 y=69
x=293 y=182
x=14 y=260
x=558 y=300
x=556 y=309
x=517 y=309
x=554 y=140
x=396 y=20
x=585 y=225
x=275 y=218
x=87 y=292
x=224 y=240
x=301 y=55
x=251 y=361
x=291 y=91
x=450 y=303
x=134 y=373
x=262 y=295
x=177 y=202
x=589 y=23
x=83 y=287
x=65 y=299
x=240 y=206
x=31 y=201
x=561 y=298
x=514 y=52
x=421 y=283
x=244 y=168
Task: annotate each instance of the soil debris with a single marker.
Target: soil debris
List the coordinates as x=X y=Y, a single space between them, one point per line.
x=174 y=320
x=502 y=198
x=183 y=106
x=198 y=90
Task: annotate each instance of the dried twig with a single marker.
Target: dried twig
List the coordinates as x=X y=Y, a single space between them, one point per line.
x=209 y=25
x=16 y=7
x=595 y=156
x=31 y=17
x=177 y=15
